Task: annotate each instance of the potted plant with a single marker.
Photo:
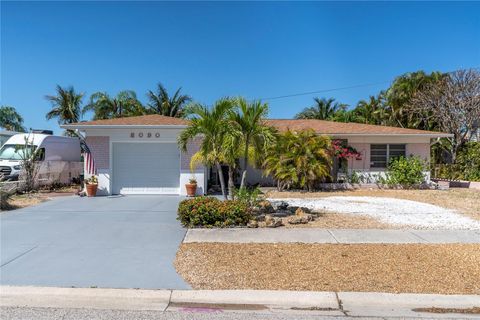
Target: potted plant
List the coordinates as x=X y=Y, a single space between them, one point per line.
x=191 y=187
x=91 y=186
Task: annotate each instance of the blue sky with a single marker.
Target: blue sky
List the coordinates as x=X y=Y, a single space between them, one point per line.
x=214 y=49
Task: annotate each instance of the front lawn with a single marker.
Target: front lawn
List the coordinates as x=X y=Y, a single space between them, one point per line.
x=413 y=268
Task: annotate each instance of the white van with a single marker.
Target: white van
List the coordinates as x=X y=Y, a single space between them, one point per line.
x=59 y=158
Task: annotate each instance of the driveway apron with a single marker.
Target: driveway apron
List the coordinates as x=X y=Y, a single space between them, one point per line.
x=110 y=242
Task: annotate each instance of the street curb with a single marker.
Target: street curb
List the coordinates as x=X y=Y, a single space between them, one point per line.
x=330 y=236
x=331 y=303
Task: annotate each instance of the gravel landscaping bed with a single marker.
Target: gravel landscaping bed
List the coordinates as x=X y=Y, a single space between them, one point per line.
x=393 y=211
x=464 y=201
x=410 y=268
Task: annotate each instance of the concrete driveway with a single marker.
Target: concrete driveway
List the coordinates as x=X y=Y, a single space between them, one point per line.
x=111 y=242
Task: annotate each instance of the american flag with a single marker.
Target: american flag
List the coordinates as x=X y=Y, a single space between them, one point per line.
x=88 y=160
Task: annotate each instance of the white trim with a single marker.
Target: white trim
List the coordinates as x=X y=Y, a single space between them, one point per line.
x=440 y=134
x=123 y=126
x=182 y=126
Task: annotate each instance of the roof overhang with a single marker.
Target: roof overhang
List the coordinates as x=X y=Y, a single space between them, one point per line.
x=124 y=126
x=430 y=135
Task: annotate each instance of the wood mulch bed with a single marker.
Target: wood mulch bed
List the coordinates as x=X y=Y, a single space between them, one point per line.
x=411 y=268
x=19 y=201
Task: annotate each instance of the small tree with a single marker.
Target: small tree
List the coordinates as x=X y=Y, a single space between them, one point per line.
x=29 y=155
x=211 y=124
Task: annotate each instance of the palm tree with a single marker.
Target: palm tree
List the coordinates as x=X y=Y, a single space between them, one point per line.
x=10 y=119
x=125 y=104
x=372 y=111
x=162 y=103
x=299 y=158
x=248 y=120
x=400 y=94
x=212 y=125
x=66 y=106
x=324 y=109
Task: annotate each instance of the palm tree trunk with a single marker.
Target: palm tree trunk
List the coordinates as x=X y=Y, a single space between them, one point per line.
x=231 y=185
x=222 y=181
x=245 y=163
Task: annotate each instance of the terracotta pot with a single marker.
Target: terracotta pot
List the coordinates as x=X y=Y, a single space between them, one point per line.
x=191 y=189
x=92 y=190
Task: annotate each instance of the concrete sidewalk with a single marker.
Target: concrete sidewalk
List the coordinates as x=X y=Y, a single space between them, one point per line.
x=353 y=304
x=313 y=235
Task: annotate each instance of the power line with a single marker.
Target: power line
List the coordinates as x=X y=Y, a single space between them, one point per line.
x=335 y=89
x=324 y=90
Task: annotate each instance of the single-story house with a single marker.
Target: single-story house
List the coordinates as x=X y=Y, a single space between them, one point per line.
x=140 y=155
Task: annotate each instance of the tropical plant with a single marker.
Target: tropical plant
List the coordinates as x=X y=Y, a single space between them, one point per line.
x=66 y=106
x=125 y=104
x=10 y=119
x=299 y=159
x=251 y=197
x=372 y=111
x=160 y=102
x=248 y=122
x=400 y=95
x=324 y=109
x=212 y=125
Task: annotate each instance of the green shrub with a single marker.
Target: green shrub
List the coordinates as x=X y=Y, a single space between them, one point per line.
x=354 y=177
x=468 y=161
x=211 y=212
x=466 y=166
x=407 y=172
x=251 y=197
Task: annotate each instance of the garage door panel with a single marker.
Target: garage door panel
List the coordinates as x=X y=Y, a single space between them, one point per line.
x=146 y=168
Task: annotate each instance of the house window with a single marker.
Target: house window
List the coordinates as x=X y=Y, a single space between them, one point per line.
x=382 y=154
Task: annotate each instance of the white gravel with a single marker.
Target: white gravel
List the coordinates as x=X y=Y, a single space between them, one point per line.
x=390 y=210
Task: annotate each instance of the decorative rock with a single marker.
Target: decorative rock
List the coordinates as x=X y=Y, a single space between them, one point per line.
x=297 y=220
x=292 y=209
x=280 y=206
x=252 y=224
x=300 y=212
x=300 y=219
x=281 y=214
x=265 y=206
x=260 y=217
x=273 y=222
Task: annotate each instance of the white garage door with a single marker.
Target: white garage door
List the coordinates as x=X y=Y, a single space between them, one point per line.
x=146 y=168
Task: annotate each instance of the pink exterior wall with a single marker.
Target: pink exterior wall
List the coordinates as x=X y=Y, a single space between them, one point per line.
x=192 y=147
x=421 y=150
x=364 y=164
x=100 y=148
